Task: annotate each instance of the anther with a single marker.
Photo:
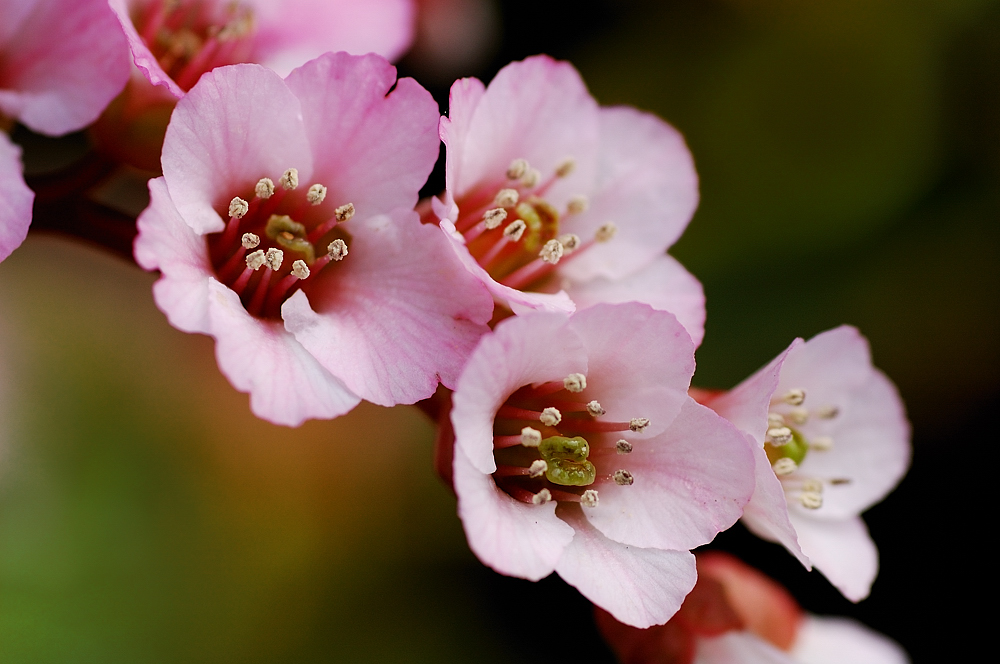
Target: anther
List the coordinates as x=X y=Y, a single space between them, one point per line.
x=290 y=178
x=784 y=466
x=336 y=250
x=606 y=232
x=515 y=230
x=344 y=212
x=595 y=409
x=566 y=168
x=255 y=260
x=577 y=205
x=264 y=188
x=813 y=485
x=638 y=423
x=550 y=416
x=623 y=447
x=541 y=497
x=623 y=478
x=506 y=198
x=273 y=258
x=569 y=242
x=779 y=435
x=316 y=194
x=493 y=218
x=589 y=498
x=517 y=169
x=238 y=207
x=531 y=437
x=821 y=443
x=827 y=412
x=799 y=416
x=775 y=420
x=551 y=252
x=575 y=382
x=794 y=396
x=300 y=269
x=250 y=240
x=811 y=500
x=531 y=177
x=537 y=468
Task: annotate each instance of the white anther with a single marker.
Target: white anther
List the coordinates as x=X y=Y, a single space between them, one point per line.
x=569 y=242
x=794 y=396
x=775 y=420
x=551 y=252
x=255 y=260
x=316 y=194
x=537 y=468
x=799 y=416
x=264 y=188
x=779 y=435
x=638 y=423
x=506 y=198
x=589 y=498
x=300 y=269
x=531 y=437
x=531 y=177
x=514 y=230
x=575 y=382
x=821 y=443
x=566 y=168
x=250 y=240
x=493 y=218
x=623 y=447
x=517 y=169
x=273 y=258
x=344 y=212
x=541 y=497
x=784 y=466
x=812 y=484
x=827 y=412
x=577 y=205
x=623 y=478
x=290 y=178
x=336 y=250
x=550 y=416
x=595 y=409
x=238 y=207
x=606 y=232
x=811 y=500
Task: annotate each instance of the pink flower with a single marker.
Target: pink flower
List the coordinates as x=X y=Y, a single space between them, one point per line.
x=283 y=227
x=174 y=42
x=556 y=203
x=831 y=439
x=61 y=62
x=15 y=199
x=578 y=451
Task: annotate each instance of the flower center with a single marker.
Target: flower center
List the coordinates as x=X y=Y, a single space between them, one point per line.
x=191 y=37
x=514 y=233
x=543 y=437
x=278 y=230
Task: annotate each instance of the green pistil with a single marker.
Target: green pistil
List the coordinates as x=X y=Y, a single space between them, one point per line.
x=291 y=235
x=795 y=449
x=567 y=461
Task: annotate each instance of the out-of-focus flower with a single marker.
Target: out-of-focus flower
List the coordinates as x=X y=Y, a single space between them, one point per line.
x=736 y=615
x=283 y=227
x=15 y=199
x=61 y=62
x=554 y=202
x=831 y=439
x=577 y=450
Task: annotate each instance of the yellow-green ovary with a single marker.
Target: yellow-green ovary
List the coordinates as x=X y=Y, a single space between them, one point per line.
x=567 y=461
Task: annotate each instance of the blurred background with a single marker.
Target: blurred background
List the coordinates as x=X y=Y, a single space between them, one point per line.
x=849 y=153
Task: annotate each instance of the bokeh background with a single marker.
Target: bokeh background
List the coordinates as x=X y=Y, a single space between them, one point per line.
x=849 y=153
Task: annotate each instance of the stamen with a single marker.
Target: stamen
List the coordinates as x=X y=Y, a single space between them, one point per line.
x=812 y=484
x=589 y=498
x=531 y=437
x=827 y=412
x=537 y=468
x=577 y=205
x=256 y=259
x=575 y=382
x=821 y=443
x=290 y=178
x=541 y=497
x=775 y=420
x=273 y=258
x=811 y=500
x=494 y=217
x=344 y=212
x=566 y=168
x=623 y=447
x=606 y=232
x=250 y=240
x=799 y=416
x=550 y=416
x=531 y=177
x=794 y=396
x=517 y=169
x=623 y=478
x=638 y=423
x=779 y=435
x=569 y=242
x=551 y=252
x=506 y=198
x=238 y=207
x=514 y=230
x=316 y=194
x=336 y=250
x=784 y=466
x=300 y=269
x=595 y=409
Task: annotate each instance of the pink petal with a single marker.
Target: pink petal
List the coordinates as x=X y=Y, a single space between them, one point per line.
x=513 y=538
x=741 y=648
x=833 y=640
x=398 y=314
x=646 y=185
x=15 y=198
x=766 y=515
x=464 y=97
x=690 y=483
x=236 y=125
x=286 y=384
x=842 y=550
x=663 y=284
x=373 y=148
x=61 y=63
x=141 y=55
x=639 y=587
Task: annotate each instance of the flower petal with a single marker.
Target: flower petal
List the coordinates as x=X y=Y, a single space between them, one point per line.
x=742 y=647
x=834 y=640
x=15 y=198
x=141 y=55
x=842 y=550
x=464 y=97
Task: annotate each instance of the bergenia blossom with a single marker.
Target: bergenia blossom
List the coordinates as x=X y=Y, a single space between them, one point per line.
x=736 y=615
x=831 y=439
x=174 y=42
x=577 y=450
x=61 y=62
x=283 y=227
x=557 y=203
x=15 y=198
